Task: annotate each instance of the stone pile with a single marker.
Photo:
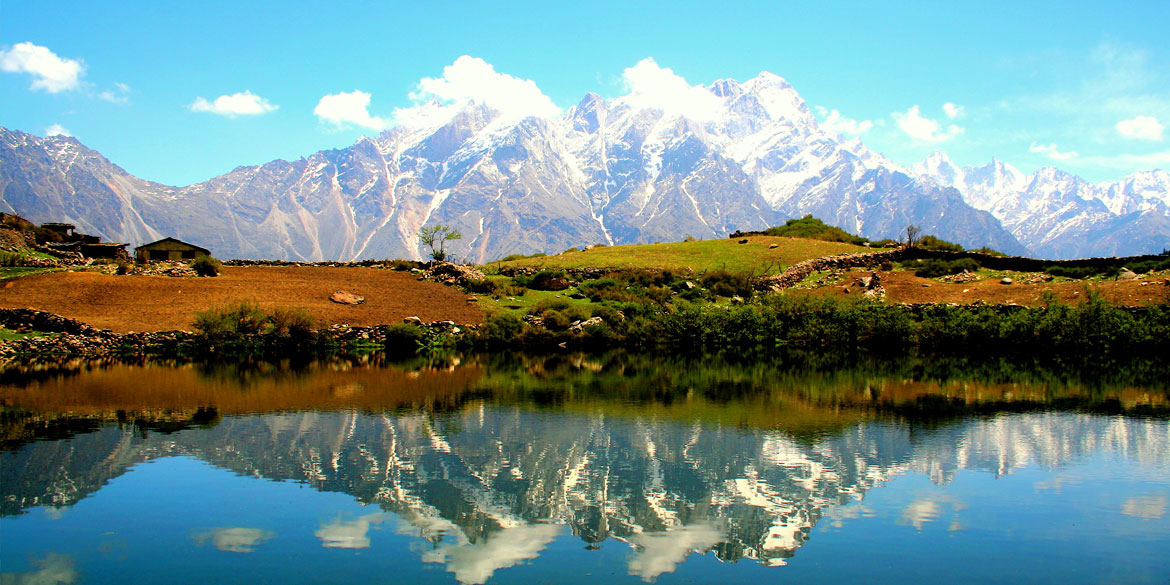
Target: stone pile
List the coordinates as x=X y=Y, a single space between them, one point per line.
x=451 y=274
x=962 y=277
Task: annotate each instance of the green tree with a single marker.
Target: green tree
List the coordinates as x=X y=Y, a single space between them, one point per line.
x=436 y=238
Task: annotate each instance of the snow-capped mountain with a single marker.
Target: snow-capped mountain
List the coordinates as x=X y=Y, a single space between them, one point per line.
x=1058 y=215
x=487 y=473
x=606 y=171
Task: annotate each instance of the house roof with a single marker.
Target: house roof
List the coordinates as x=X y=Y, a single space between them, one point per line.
x=176 y=240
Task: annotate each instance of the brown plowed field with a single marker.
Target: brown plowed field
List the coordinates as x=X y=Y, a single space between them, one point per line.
x=905 y=287
x=162 y=303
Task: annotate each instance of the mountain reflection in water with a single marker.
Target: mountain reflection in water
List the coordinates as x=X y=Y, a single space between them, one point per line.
x=489 y=463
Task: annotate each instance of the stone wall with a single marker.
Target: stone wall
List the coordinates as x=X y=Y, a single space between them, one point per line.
x=799 y=271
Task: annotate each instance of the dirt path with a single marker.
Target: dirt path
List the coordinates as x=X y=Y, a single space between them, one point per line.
x=161 y=303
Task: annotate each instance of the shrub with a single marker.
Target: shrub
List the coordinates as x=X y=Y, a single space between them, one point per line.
x=576 y=313
x=940 y=245
x=549 y=280
x=292 y=323
x=1080 y=272
x=404 y=338
x=206 y=266
x=483 y=286
x=608 y=314
x=402 y=265
x=240 y=320
x=10 y=259
x=814 y=229
x=933 y=267
x=511 y=257
x=499 y=329
x=555 y=320
x=727 y=284
x=989 y=251
x=596 y=290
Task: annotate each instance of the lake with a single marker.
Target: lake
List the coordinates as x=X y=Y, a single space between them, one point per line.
x=582 y=469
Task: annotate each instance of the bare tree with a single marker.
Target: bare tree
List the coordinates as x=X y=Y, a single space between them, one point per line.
x=913 y=235
x=436 y=237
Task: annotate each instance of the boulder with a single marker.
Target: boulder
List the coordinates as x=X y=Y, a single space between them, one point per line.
x=1005 y=280
x=346 y=298
x=1127 y=274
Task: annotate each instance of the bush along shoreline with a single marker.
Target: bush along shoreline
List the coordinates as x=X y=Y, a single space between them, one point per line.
x=1093 y=329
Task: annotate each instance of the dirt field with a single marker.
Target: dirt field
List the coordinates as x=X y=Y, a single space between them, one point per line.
x=161 y=303
x=904 y=287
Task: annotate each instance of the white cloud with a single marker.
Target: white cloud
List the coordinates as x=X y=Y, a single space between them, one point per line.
x=655 y=87
x=244 y=103
x=662 y=552
x=924 y=129
x=1128 y=162
x=343 y=109
x=57 y=130
x=237 y=540
x=952 y=111
x=54 y=569
x=471 y=79
x=353 y=534
x=835 y=122
x=50 y=72
x=1051 y=151
x=119 y=95
x=1146 y=507
x=474 y=564
x=1141 y=128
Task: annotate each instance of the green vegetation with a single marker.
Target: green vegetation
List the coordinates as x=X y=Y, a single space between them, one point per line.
x=1109 y=270
x=811 y=228
x=938 y=245
x=436 y=237
x=755 y=257
x=246 y=328
x=8 y=334
x=1093 y=328
x=935 y=267
x=206 y=266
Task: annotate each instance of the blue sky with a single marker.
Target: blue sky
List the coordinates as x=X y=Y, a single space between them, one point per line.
x=180 y=92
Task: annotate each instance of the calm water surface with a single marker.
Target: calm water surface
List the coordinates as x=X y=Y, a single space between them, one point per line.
x=579 y=470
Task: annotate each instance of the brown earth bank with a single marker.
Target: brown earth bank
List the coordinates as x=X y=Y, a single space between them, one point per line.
x=161 y=303
x=905 y=287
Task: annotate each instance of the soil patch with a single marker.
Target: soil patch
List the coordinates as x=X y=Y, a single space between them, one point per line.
x=905 y=287
x=160 y=303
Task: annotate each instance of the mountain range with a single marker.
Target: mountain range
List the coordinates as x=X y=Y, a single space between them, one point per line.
x=604 y=172
x=473 y=477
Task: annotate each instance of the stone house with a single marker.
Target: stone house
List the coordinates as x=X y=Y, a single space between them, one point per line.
x=169 y=249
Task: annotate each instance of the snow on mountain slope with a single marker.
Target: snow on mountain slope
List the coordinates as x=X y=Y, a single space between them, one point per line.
x=1059 y=215
x=612 y=171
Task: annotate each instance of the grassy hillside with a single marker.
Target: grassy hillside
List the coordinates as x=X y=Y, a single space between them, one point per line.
x=756 y=256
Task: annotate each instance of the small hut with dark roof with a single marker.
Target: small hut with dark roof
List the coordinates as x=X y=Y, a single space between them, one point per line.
x=169 y=249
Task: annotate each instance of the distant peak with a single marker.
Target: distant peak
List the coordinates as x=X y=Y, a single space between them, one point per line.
x=769 y=80
x=939 y=156
x=590 y=101
x=726 y=88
